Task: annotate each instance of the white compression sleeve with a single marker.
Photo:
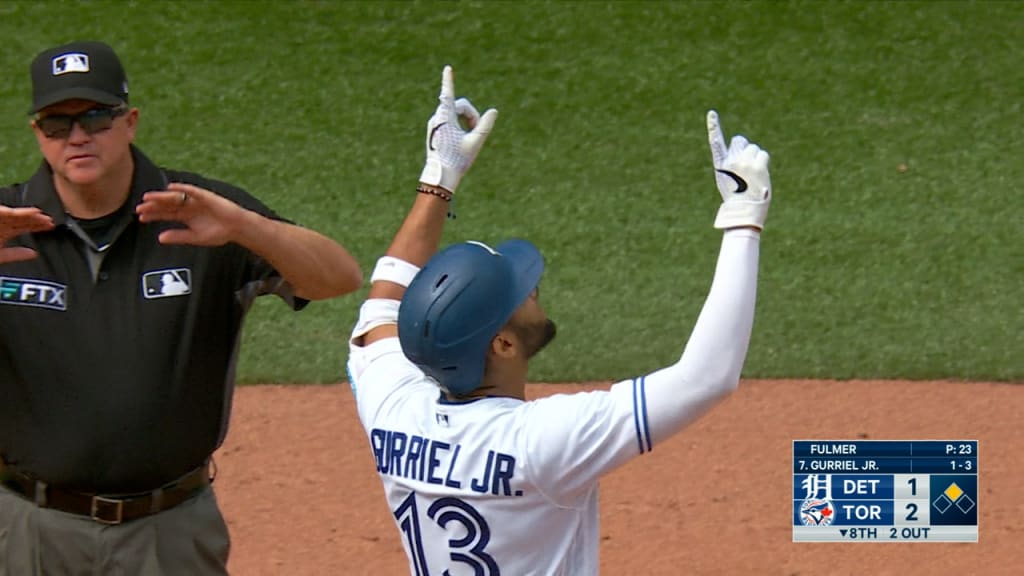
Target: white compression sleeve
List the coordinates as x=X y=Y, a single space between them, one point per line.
x=710 y=366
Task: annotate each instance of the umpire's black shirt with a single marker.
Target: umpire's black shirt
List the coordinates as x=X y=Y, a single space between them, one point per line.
x=117 y=355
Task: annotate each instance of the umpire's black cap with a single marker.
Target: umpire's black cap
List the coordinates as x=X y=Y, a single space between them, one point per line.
x=87 y=70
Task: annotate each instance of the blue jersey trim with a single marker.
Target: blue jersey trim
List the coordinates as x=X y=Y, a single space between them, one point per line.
x=643 y=405
x=636 y=419
x=351 y=380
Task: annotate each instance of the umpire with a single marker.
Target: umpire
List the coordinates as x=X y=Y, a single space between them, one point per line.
x=123 y=287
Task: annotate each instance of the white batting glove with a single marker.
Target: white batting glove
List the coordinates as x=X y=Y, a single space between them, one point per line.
x=451 y=150
x=741 y=172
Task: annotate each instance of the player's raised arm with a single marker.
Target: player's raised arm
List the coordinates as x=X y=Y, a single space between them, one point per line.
x=710 y=366
x=450 y=151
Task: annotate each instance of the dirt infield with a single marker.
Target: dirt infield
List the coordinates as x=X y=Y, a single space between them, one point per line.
x=297 y=483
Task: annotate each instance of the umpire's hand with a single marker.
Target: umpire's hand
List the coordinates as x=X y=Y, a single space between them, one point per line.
x=209 y=219
x=17 y=221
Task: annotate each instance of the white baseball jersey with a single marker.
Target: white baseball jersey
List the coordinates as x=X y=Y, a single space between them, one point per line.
x=502 y=486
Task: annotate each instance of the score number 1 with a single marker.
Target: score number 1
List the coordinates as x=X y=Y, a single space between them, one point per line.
x=912 y=515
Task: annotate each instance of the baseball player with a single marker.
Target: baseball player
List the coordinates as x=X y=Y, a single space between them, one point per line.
x=480 y=481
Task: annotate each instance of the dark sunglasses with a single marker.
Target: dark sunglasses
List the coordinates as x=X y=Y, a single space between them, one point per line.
x=92 y=121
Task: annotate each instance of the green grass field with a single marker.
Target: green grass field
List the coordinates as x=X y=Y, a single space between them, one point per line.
x=600 y=157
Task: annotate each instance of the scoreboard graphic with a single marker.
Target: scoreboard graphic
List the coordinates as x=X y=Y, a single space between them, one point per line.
x=885 y=490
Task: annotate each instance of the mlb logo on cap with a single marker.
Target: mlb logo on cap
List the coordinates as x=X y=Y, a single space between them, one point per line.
x=74 y=62
x=85 y=70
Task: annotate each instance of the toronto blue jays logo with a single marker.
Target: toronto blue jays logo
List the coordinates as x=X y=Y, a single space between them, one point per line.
x=816 y=512
x=817 y=508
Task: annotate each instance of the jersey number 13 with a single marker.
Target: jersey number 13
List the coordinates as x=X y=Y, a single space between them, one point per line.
x=466 y=550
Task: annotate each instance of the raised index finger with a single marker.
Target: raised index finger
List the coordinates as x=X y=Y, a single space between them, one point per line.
x=715 y=139
x=447 y=96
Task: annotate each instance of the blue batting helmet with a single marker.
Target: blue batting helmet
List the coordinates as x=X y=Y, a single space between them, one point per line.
x=456 y=304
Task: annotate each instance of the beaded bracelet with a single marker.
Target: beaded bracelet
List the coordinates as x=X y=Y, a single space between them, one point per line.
x=439 y=192
x=442 y=194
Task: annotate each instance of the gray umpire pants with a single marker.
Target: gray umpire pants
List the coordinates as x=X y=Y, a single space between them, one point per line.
x=189 y=539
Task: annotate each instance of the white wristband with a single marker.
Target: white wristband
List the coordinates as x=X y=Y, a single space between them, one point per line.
x=394 y=270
